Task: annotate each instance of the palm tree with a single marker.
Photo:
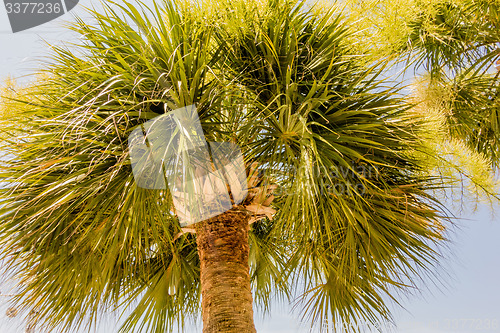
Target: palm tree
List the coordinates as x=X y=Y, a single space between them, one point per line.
x=340 y=212
x=455 y=45
x=458 y=44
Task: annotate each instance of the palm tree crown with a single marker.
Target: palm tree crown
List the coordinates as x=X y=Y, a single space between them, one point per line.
x=340 y=188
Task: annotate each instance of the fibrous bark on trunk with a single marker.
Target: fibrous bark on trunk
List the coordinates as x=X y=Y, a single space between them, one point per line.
x=225 y=281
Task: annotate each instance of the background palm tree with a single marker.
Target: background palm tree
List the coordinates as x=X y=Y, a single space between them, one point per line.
x=340 y=213
x=454 y=45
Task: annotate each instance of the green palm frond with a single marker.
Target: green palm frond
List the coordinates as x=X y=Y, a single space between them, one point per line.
x=72 y=205
x=323 y=113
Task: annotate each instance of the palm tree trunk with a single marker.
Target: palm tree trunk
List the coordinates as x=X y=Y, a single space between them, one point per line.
x=225 y=281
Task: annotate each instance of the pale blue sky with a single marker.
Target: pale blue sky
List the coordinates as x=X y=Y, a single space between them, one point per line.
x=469 y=300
